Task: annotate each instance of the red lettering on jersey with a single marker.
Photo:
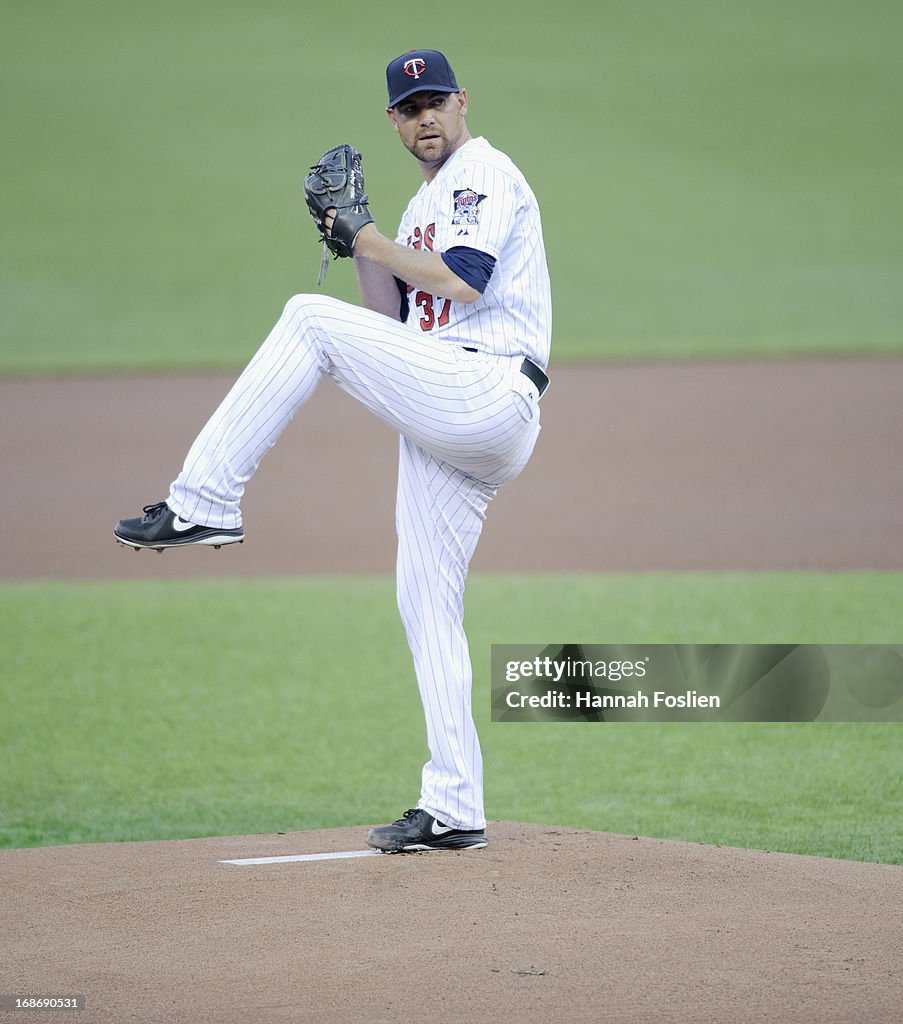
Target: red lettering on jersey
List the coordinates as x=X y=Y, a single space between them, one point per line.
x=422 y=239
x=426 y=239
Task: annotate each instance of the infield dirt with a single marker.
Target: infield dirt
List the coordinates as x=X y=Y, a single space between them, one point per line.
x=546 y=924
x=765 y=465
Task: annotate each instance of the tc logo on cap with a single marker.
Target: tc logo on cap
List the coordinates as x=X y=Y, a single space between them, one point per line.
x=414 y=68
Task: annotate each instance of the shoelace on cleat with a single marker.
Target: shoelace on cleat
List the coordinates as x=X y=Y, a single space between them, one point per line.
x=403 y=820
x=153 y=512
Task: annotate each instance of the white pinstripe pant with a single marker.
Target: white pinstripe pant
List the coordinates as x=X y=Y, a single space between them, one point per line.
x=468 y=423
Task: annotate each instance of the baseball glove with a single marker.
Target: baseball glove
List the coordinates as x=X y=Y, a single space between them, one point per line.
x=337 y=182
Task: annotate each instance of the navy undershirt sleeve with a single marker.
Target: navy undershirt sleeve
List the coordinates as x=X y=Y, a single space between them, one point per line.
x=404 y=307
x=471 y=265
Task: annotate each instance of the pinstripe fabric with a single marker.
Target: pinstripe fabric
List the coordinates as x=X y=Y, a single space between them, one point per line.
x=514 y=314
x=467 y=422
x=440 y=513
x=469 y=409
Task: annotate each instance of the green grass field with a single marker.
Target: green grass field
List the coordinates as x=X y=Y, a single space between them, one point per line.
x=716 y=179
x=151 y=710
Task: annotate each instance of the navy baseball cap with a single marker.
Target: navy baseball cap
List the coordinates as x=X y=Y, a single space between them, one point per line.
x=419 y=71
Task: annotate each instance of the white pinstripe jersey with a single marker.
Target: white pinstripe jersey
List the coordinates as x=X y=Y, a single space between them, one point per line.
x=481 y=200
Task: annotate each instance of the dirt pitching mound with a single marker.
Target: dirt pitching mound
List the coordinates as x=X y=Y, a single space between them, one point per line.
x=546 y=924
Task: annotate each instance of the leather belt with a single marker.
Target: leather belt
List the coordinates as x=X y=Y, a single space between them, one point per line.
x=529 y=369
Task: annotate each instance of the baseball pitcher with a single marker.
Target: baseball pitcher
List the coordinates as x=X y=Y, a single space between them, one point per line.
x=449 y=349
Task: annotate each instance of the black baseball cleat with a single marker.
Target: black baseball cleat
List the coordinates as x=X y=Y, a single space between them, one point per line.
x=417 y=829
x=161 y=528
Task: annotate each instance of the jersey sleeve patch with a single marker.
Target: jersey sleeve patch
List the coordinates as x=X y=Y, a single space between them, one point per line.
x=467 y=206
